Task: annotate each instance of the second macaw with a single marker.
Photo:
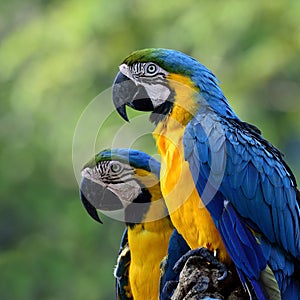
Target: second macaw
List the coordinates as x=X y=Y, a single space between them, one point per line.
x=128 y=180
x=226 y=187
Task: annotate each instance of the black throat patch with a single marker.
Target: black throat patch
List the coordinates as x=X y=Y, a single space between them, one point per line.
x=137 y=212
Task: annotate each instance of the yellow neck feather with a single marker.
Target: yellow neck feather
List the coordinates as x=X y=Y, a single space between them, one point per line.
x=157 y=209
x=185 y=104
x=148 y=242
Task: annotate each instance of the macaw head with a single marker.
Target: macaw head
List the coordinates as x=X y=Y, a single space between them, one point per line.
x=120 y=179
x=150 y=79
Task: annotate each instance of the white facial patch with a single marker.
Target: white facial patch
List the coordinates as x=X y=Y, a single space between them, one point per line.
x=158 y=93
x=126 y=192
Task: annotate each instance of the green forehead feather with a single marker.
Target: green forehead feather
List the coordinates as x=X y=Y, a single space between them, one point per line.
x=170 y=60
x=144 y=55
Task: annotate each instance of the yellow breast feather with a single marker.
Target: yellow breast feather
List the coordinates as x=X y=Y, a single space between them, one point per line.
x=149 y=242
x=187 y=212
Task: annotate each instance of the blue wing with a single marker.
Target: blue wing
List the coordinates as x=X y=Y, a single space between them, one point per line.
x=121 y=272
x=232 y=164
x=284 y=268
x=264 y=189
x=255 y=178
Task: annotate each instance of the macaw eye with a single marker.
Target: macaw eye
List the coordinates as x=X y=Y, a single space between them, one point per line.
x=151 y=69
x=115 y=168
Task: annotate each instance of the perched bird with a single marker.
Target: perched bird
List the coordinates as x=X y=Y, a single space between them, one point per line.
x=226 y=187
x=129 y=180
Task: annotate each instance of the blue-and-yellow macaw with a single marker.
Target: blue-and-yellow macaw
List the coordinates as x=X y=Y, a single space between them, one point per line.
x=249 y=206
x=129 y=180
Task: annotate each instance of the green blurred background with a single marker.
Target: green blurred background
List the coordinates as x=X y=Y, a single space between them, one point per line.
x=56 y=56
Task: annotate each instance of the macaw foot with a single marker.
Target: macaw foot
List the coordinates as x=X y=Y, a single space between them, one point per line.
x=202 y=276
x=205 y=256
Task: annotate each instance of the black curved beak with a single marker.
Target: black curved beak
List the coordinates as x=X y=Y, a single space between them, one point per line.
x=91 y=210
x=127 y=92
x=95 y=196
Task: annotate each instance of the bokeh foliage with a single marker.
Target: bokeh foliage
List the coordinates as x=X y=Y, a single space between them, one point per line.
x=56 y=56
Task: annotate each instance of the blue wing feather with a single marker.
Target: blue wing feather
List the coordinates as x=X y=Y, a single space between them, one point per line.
x=257 y=183
x=278 y=187
x=238 y=237
x=284 y=268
